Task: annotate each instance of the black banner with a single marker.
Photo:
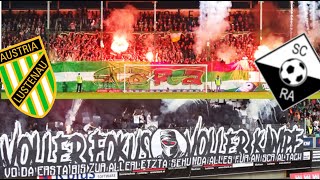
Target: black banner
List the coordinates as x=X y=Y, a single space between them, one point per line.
x=20 y=50
x=145 y=151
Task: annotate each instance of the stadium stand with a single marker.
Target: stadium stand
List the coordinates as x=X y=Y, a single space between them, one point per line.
x=77 y=38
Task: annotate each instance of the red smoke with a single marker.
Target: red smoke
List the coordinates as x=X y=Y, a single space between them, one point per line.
x=121 y=22
x=273 y=20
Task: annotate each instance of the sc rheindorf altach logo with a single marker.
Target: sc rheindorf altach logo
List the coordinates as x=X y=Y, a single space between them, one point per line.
x=291 y=71
x=28 y=77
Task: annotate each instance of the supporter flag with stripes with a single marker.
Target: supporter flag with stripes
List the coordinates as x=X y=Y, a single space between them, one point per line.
x=28 y=77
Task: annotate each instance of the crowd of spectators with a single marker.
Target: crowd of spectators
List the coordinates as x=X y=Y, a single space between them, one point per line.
x=175 y=21
x=69 y=39
x=306 y=115
x=29 y=23
x=22 y=26
x=75 y=36
x=87 y=47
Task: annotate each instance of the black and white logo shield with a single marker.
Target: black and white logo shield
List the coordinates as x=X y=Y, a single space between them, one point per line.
x=291 y=71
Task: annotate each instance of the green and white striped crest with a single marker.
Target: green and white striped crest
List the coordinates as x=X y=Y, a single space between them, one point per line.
x=28 y=77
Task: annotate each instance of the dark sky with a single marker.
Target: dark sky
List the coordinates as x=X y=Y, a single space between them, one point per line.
x=139 y=5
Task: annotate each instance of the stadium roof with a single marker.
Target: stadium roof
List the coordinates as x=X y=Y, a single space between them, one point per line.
x=119 y=4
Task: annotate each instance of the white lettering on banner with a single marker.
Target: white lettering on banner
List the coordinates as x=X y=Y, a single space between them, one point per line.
x=56 y=153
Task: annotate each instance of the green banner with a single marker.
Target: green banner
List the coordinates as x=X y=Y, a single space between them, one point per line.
x=142 y=76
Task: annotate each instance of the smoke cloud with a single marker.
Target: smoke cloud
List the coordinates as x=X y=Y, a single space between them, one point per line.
x=273 y=22
x=227 y=53
x=261 y=109
x=121 y=21
x=183 y=112
x=212 y=22
x=273 y=42
x=186 y=112
x=171 y=105
x=303 y=24
x=72 y=113
x=309 y=20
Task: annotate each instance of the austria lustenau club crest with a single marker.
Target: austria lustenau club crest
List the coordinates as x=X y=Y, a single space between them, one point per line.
x=28 y=77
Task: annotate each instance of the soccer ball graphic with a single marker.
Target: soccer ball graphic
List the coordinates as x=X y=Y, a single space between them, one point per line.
x=293 y=72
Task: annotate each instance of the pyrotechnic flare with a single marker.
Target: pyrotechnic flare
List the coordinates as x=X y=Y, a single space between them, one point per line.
x=212 y=22
x=309 y=20
x=149 y=56
x=119 y=44
x=101 y=44
x=72 y=113
x=121 y=21
x=313 y=15
x=303 y=17
x=314 y=33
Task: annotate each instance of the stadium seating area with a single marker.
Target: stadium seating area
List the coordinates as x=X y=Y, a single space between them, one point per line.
x=239 y=21
x=82 y=20
x=74 y=37
x=82 y=46
x=307 y=113
x=21 y=26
